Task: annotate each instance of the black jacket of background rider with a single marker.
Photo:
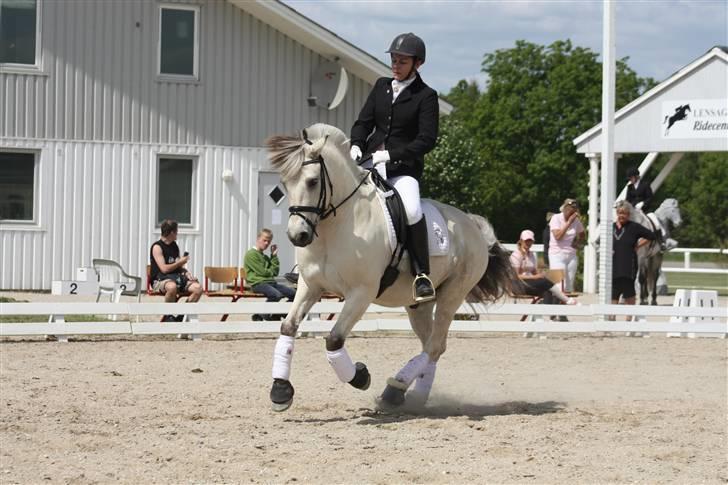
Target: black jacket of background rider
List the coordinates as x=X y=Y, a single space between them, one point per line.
x=643 y=193
x=407 y=128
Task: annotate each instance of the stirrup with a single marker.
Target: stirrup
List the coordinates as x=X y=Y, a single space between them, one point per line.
x=420 y=299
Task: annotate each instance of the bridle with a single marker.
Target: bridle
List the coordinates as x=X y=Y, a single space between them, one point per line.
x=323 y=208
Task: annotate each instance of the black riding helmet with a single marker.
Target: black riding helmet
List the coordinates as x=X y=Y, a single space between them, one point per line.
x=633 y=172
x=408 y=45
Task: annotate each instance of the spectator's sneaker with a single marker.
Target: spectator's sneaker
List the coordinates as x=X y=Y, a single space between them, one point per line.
x=179 y=318
x=257 y=318
x=169 y=318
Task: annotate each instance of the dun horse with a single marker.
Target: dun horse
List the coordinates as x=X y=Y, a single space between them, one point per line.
x=341 y=233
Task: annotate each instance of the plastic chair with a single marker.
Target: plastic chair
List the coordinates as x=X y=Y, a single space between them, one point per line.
x=114 y=281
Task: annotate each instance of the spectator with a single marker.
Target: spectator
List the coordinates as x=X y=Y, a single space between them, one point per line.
x=530 y=280
x=567 y=233
x=262 y=270
x=627 y=236
x=639 y=191
x=546 y=238
x=168 y=273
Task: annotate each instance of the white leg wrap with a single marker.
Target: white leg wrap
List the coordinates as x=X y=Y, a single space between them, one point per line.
x=423 y=383
x=282 y=356
x=412 y=369
x=342 y=364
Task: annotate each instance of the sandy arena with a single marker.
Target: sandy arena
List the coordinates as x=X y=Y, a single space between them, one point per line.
x=504 y=409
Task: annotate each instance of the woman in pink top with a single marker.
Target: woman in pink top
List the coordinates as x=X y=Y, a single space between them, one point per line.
x=530 y=280
x=567 y=233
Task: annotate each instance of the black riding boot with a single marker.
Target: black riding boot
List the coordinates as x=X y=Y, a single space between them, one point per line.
x=419 y=251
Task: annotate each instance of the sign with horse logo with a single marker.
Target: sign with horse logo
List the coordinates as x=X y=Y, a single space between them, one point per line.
x=697 y=118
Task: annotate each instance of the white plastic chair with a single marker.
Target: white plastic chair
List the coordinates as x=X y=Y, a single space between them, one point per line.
x=114 y=281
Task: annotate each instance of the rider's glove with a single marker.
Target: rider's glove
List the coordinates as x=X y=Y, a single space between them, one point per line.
x=380 y=159
x=639 y=205
x=355 y=153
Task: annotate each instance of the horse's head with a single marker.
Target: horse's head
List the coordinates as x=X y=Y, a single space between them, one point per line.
x=669 y=211
x=307 y=165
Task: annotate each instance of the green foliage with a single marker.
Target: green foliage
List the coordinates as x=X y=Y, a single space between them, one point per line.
x=700 y=184
x=507 y=153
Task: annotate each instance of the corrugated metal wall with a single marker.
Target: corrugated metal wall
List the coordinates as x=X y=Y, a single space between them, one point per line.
x=100 y=80
x=98 y=200
x=98 y=115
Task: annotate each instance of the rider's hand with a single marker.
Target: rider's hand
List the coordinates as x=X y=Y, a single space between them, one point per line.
x=381 y=156
x=639 y=205
x=355 y=153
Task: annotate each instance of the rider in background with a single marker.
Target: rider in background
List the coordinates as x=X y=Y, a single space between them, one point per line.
x=639 y=192
x=397 y=126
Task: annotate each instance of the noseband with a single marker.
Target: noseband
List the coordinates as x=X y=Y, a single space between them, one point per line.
x=321 y=208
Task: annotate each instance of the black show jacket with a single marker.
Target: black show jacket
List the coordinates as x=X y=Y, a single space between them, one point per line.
x=407 y=128
x=643 y=193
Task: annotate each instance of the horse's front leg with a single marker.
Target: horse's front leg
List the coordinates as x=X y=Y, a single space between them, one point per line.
x=355 y=374
x=281 y=393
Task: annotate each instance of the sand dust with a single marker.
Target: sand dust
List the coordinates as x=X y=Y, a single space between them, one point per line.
x=504 y=409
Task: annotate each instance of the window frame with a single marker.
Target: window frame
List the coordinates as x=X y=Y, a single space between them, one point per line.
x=37 y=67
x=10 y=224
x=188 y=226
x=195 y=76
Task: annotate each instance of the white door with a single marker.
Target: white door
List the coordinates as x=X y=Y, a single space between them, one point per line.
x=273 y=214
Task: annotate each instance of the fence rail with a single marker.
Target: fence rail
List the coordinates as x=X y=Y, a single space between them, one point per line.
x=588 y=319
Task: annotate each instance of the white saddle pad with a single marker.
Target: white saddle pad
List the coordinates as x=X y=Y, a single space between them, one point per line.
x=437 y=235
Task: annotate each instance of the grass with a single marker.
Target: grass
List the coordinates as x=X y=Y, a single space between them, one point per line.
x=718 y=282
x=43 y=318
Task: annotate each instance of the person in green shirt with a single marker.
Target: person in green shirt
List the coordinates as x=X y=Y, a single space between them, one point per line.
x=261 y=271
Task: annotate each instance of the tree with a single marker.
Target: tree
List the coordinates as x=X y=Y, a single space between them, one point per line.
x=522 y=160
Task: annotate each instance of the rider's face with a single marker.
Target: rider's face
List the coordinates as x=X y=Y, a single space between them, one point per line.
x=402 y=66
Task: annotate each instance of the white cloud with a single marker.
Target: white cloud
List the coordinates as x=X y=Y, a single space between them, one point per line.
x=659 y=36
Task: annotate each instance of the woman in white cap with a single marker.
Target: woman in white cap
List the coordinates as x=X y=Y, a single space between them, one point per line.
x=396 y=127
x=567 y=233
x=530 y=280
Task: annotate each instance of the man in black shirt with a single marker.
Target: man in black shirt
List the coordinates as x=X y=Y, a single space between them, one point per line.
x=168 y=273
x=627 y=236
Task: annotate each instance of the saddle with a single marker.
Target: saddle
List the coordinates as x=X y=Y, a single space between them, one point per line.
x=396 y=210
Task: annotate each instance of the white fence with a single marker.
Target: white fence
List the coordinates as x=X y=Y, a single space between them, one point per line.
x=687 y=252
x=586 y=319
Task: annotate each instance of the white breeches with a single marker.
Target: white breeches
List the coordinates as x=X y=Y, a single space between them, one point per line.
x=567 y=262
x=409 y=189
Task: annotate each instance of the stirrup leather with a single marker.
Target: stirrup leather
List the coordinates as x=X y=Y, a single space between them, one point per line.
x=414 y=289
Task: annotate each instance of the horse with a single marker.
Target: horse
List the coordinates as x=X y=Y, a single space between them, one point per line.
x=340 y=230
x=680 y=114
x=649 y=257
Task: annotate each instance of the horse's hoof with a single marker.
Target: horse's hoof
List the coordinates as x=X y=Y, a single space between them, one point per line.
x=281 y=395
x=361 y=379
x=392 y=396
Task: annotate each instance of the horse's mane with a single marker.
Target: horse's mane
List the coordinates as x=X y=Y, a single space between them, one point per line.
x=287 y=152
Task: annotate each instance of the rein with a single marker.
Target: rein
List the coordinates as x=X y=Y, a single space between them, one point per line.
x=321 y=208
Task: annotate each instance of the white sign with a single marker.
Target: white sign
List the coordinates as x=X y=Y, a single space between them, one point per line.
x=74 y=287
x=695 y=118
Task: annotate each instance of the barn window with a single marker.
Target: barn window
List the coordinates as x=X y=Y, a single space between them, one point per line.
x=178 y=41
x=19 y=32
x=175 y=189
x=17 y=186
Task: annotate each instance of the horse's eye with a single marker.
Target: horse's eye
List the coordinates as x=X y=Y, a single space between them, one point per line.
x=311 y=183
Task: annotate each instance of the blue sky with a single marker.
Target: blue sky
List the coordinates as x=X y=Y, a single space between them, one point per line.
x=658 y=36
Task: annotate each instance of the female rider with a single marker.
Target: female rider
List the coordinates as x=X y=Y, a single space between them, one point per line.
x=397 y=126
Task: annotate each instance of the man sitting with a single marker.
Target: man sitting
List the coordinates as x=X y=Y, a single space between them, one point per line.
x=168 y=273
x=262 y=270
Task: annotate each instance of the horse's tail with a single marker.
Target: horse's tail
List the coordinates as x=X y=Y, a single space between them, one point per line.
x=499 y=276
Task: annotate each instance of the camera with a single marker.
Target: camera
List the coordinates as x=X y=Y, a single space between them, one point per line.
x=187 y=253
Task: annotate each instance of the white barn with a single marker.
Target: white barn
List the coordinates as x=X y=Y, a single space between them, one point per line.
x=97 y=99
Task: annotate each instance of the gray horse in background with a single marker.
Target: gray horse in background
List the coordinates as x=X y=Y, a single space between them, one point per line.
x=649 y=256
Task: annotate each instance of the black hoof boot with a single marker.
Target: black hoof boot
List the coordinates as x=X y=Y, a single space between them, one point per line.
x=361 y=379
x=281 y=395
x=392 y=396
